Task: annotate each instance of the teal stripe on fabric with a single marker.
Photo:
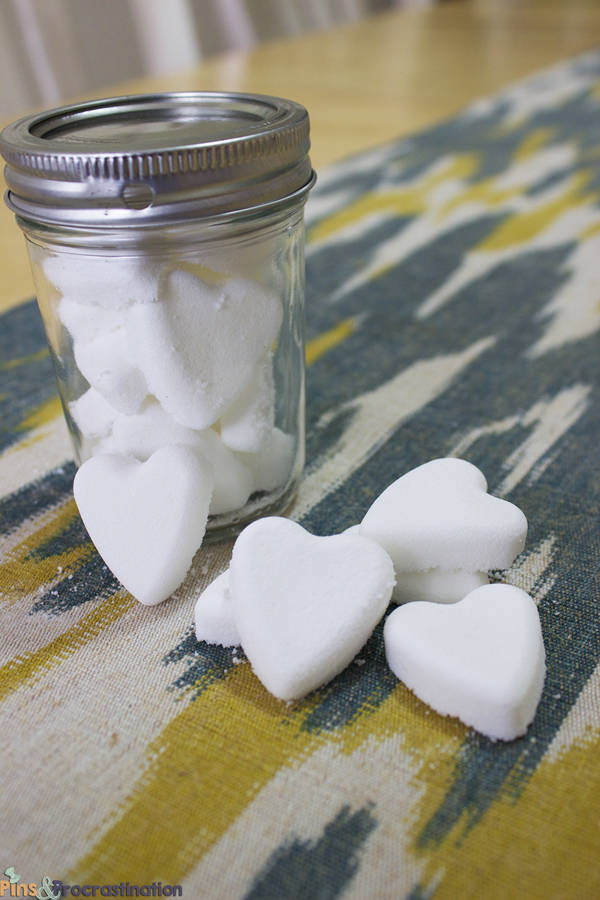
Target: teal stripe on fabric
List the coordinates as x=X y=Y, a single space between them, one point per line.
x=357 y=689
x=320 y=869
x=36 y=497
x=71 y=537
x=205 y=663
x=92 y=581
x=420 y=893
x=26 y=373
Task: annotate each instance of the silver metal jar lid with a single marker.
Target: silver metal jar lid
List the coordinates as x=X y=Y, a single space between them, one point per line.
x=156 y=159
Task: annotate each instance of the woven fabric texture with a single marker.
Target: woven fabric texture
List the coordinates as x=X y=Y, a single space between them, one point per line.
x=453 y=285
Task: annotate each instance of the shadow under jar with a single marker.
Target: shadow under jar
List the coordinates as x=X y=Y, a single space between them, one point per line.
x=166 y=237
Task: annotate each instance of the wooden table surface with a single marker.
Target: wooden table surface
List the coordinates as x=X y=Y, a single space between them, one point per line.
x=367 y=83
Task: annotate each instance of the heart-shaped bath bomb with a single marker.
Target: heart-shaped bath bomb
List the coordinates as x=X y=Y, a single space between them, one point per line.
x=481 y=659
x=305 y=605
x=248 y=422
x=440 y=516
x=232 y=480
x=85 y=322
x=142 y=434
x=106 y=364
x=146 y=519
x=110 y=282
x=213 y=614
x=93 y=415
x=200 y=344
x=437 y=585
x=145 y=432
x=275 y=465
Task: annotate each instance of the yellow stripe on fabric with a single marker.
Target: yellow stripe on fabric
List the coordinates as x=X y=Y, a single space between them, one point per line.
x=24 y=360
x=22 y=670
x=590 y=231
x=537 y=853
x=430 y=739
x=595 y=91
x=210 y=762
x=326 y=341
x=523 y=227
x=534 y=141
x=43 y=414
x=407 y=201
x=23 y=572
x=426 y=735
x=207 y=765
x=483 y=193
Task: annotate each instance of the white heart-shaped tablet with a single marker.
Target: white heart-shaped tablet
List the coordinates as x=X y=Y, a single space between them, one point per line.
x=143 y=434
x=275 y=464
x=93 y=414
x=232 y=480
x=111 y=282
x=85 y=322
x=213 y=614
x=200 y=344
x=440 y=516
x=248 y=422
x=437 y=585
x=146 y=519
x=106 y=364
x=305 y=605
x=481 y=659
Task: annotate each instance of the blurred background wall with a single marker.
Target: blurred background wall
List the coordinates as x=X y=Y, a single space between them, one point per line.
x=54 y=50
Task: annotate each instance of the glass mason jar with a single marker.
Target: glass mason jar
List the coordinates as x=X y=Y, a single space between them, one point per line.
x=166 y=239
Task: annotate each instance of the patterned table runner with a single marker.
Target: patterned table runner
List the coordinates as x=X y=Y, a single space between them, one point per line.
x=453 y=285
